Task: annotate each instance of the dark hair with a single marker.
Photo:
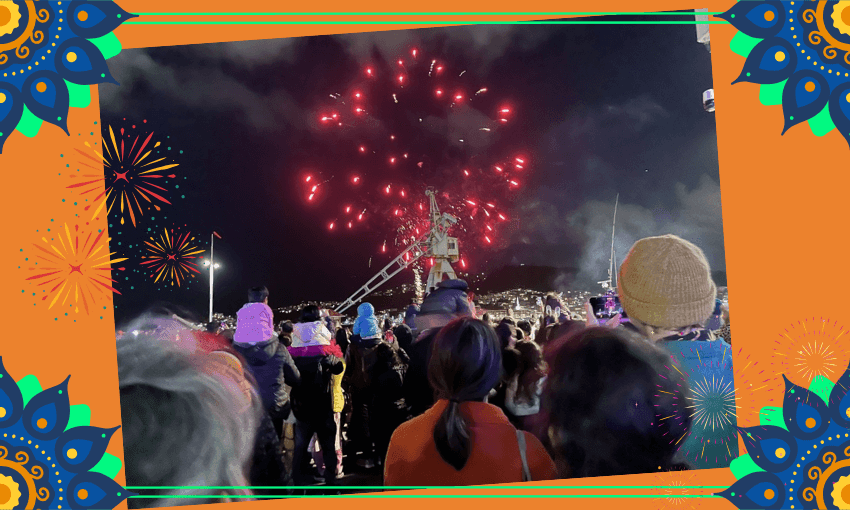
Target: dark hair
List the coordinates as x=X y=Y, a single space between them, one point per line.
x=520 y=334
x=531 y=369
x=286 y=327
x=465 y=365
x=508 y=320
x=403 y=335
x=213 y=327
x=525 y=326
x=611 y=404
x=310 y=313
x=505 y=332
x=342 y=339
x=388 y=324
x=386 y=358
x=486 y=318
x=258 y=294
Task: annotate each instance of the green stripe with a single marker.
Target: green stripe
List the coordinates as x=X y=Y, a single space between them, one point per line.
x=410 y=487
x=456 y=22
x=434 y=496
x=425 y=13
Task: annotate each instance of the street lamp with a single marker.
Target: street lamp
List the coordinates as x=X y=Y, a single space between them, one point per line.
x=213 y=266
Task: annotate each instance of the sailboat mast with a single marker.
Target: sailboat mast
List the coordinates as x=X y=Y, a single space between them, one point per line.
x=611 y=275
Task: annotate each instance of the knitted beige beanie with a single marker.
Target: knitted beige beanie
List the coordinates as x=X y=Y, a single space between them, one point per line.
x=666 y=282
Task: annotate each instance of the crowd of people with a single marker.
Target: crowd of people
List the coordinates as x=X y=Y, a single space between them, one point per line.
x=444 y=397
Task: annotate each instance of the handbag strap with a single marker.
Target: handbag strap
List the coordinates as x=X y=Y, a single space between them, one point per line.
x=526 y=473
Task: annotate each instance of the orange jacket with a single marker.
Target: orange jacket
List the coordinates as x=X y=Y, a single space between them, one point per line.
x=412 y=458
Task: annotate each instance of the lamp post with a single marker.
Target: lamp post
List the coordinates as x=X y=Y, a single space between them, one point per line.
x=213 y=266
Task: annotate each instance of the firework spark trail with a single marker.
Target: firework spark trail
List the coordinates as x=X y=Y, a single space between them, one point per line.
x=406 y=122
x=170 y=258
x=74 y=269
x=125 y=178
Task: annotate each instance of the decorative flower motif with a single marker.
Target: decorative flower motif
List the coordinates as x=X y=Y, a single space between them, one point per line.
x=805 y=461
x=840 y=493
x=10 y=492
x=10 y=17
x=50 y=52
x=49 y=455
x=799 y=52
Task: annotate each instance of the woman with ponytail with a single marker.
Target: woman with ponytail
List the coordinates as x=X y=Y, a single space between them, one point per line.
x=463 y=440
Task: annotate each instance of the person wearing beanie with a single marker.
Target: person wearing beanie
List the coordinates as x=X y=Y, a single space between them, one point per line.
x=448 y=301
x=667 y=292
x=665 y=288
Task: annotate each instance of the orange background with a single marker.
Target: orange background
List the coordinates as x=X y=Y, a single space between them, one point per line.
x=784 y=200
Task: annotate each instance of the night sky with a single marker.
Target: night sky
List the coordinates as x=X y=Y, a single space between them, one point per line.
x=599 y=110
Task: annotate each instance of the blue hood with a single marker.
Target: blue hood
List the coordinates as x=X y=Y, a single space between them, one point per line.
x=365 y=310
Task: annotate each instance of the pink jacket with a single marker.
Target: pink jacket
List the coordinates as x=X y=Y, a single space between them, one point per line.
x=254 y=324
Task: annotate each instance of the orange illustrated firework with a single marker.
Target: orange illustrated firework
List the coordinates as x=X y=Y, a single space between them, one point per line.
x=77 y=268
x=170 y=258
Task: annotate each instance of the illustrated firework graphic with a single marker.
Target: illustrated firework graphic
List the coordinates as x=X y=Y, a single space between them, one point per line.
x=73 y=266
x=811 y=348
x=710 y=403
x=399 y=128
x=133 y=179
x=676 y=490
x=171 y=257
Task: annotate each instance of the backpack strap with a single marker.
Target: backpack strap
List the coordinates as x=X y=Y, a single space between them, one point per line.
x=526 y=473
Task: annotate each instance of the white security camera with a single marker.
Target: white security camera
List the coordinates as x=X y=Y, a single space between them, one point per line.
x=708 y=100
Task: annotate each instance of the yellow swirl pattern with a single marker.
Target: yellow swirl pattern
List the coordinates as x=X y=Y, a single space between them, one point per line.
x=830 y=52
x=815 y=38
x=814 y=473
x=22 y=457
x=37 y=37
x=22 y=51
x=43 y=15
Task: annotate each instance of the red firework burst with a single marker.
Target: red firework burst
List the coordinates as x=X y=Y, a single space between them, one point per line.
x=404 y=126
x=129 y=177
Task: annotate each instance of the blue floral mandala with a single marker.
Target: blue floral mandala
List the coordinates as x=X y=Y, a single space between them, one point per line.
x=800 y=455
x=49 y=455
x=800 y=53
x=50 y=52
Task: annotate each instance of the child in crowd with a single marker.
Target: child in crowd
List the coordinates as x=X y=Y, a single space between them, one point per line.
x=255 y=320
x=366 y=324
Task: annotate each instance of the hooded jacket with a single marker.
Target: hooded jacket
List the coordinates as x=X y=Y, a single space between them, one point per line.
x=449 y=298
x=360 y=360
x=254 y=323
x=311 y=339
x=272 y=367
x=366 y=324
x=318 y=360
x=707 y=365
